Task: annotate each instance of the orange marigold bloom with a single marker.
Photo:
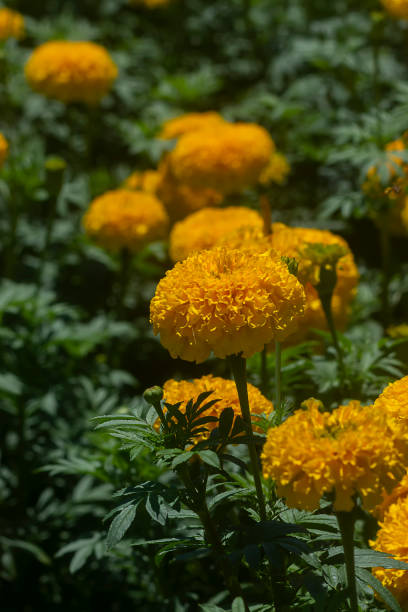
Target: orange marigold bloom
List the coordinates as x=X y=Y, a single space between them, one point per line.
x=11 y=24
x=392 y=538
x=347 y=451
x=71 y=71
x=179 y=199
x=227 y=159
x=3 y=149
x=224 y=391
x=204 y=229
x=400 y=492
x=225 y=301
x=396 y=8
x=393 y=401
x=125 y=219
x=276 y=171
x=147 y=180
x=191 y=122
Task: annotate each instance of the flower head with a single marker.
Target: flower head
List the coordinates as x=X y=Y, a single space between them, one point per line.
x=224 y=391
x=228 y=158
x=125 y=219
x=191 y=122
x=11 y=24
x=396 y=8
x=392 y=538
x=147 y=180
x=393 y=401
x=225 y=301
x=71 y=71
x=3 y=149
x=204 y=229
x=276 y=171
x=345 y=452
x=179 y=199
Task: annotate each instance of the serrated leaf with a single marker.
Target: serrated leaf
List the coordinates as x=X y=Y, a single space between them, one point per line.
x=182 y=458
x=120 y=525
x=387 y=597
x=210 y=458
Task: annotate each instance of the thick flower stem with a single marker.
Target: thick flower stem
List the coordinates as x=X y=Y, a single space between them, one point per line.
x=326 y=305
x=346 y=525
x=278 y=366
x=238 y=366
x=385 y=262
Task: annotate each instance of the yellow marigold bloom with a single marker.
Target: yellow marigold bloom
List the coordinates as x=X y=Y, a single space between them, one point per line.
x=3 y=149
x=125 y=219
x=228 y=158
x=179 y=199
x=71 y=71
x=393 y=401
x=204 y=229
x=291 y=242
x=191 y=122
x=396 y=8
x=144 y=181
x=400 y=492
x=11 y=24
x=225 y=301
x=392 y=538
x=347 y=451
x=224 y=391
x=276 y=171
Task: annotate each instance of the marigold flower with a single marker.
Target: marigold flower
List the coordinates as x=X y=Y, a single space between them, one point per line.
x=204 y=229
x=144 y=181
x=276 y=171
x=225 y=301
x=227 y=159
x=399 y=492
x=179 y=199
x=398 y=331
x=11 y=24
x=3 y=149
x=393 y=401
x=191 y=122
x=396 y=8
x=392 y=538
x=71 y=71
x=291 y=242
x=347 y=451
x=125 y=219
x=224 y=391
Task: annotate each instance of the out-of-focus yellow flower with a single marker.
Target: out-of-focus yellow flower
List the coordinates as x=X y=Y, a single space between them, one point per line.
x=125 y=219
x=228 y=158
x=398 y=331
x=392 y=538
x=224 y=391
x=396 y=8
x=151 y=4
x=71 y=71
x=291 y=242
x=4 y=147
x=147 y=180
x=347 y=451
x=179 y=199
x=204 y=229
x=11 y=24
x=191 y=122
x=225 y=301
x=276 y=171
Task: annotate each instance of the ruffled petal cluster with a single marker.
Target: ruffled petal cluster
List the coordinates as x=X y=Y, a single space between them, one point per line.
x=228 y=158
x=291 y=242
x=125 y=219
x=11 y=24
x=147 y=180
x=396 y=8
x=205 y=228
x=392 y=538
x=180 y=199
x=348 y=451
x=191 y=122
x=276 y=171
x=4 y=147
x=393 y=401
x=71 y=71
x=224 y=391
x=226 y=302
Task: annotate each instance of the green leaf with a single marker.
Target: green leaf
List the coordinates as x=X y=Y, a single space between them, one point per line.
x=10 y=384
x=120 y=525
x=210 y=458
x=182 y=458
x=387 y=597
x=375 y=558
x=238 y=605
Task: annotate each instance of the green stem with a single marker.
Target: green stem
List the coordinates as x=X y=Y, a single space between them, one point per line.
x=10 y=255
x=278 y=367
x=264 y=371
x=385 y=281
x=346 y=526
x=326 y=305
x=123 y=282
x=238 y=366
x=47 y=240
